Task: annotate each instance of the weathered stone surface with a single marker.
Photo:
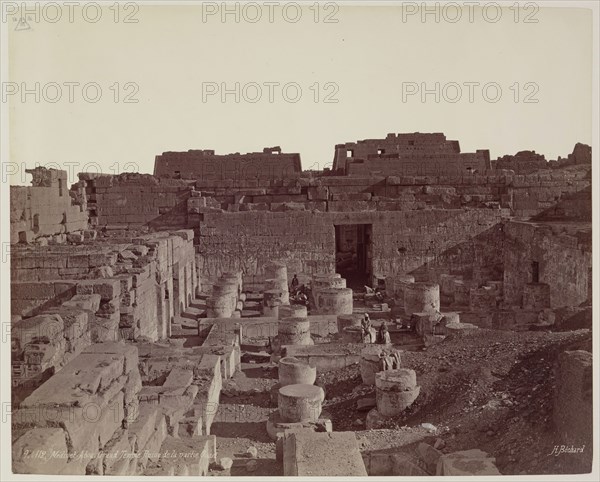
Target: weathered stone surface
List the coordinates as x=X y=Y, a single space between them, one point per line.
x=322 y=454
x=467 y=462
x=46 y=440
x=300 y=402
x=293 y=371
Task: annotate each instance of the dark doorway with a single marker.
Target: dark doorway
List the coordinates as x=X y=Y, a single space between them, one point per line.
x=535 y=272
x=353 y=254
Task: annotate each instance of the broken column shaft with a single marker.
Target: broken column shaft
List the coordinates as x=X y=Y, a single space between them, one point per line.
x=300 y=403
x=396 y=390
x=421 y=298
x=334 y=301
x=293 y=371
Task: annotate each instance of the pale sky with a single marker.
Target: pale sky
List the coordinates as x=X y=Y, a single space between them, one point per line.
x=370 y=57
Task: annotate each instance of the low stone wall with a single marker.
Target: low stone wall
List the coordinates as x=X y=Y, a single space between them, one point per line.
x=326 y=357
x=82 y=414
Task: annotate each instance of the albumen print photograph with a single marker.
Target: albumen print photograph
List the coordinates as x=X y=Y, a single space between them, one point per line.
x=299 y=239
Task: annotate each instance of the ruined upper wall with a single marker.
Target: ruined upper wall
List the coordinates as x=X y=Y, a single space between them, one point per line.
x=407 y=154
x=206 y=165
x=523 y=162
x=135 y=199
x=46 y=209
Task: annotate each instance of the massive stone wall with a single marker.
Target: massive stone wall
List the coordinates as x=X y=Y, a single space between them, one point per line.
x=46 y=209
x=432 y=241
x=144 y=281
x=562 y=256
x=206 y=165
x=135 y=199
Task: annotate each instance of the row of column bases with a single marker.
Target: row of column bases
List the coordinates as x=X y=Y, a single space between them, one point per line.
x=299 y=400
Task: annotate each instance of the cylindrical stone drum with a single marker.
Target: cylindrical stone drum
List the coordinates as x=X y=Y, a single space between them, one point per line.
x=276 y=270
x=326 y=275
x=461 y=292
x=376 y=358
x=396 y=390
x=272 y=299
x=300 y=403
x=225 y=288
x=293 y=372
x=294 y=331
x=447 y=285
x=281 y=285
x=219 y=306
x=344 y=321
x=421 y=298
x=334 y=301
x=293 y=311
x=233 y=276
x=395 y=285
x=328 y=282
x=322 y=282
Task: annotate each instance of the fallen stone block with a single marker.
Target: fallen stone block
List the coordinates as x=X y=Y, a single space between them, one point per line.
x=322 y=454
x=276 y=426
x=85 y=302
x=129 y=353
x=144 y=426
x=45 y=328
x=36 y=441
x=179 y=378
x=429 y=455
x=467 y=462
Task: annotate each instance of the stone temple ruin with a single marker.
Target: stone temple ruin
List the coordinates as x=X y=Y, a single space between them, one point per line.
x=233 y=314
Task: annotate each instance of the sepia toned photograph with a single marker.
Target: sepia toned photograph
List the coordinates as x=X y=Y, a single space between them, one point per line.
x=299 y=239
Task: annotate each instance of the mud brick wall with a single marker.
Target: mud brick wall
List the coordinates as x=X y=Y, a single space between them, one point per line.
x=563 y=255
x=403 y=241
x=83 y=414
x=46 y=208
